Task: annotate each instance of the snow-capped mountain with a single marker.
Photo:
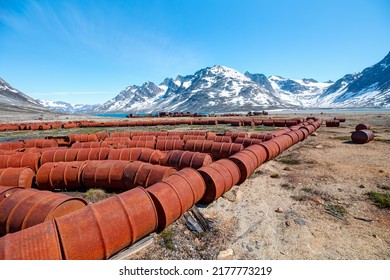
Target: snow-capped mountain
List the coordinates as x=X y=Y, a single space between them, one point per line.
x=302 y=93
x=133 y=99
x=14 y=100
x=369 y=88
x=221 y=89
x=213 y=89
x=68 y=108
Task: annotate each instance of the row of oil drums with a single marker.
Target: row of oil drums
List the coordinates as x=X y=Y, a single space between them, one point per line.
x=124 y=139
x=127 y=137
x=62 y=169
x=153 y=122
x=335 y=122
x=100 y=230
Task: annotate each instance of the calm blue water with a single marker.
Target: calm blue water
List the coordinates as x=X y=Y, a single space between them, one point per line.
x=112 y=115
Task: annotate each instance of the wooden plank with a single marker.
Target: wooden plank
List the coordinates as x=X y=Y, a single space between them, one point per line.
x=132 y=249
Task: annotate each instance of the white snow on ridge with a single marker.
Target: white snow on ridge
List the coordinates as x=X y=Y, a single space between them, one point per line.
x=53 y=104
x=163 y=88
x=186 y=84
x=319 y=85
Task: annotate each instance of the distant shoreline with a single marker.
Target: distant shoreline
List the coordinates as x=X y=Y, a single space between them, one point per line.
x=275 y=111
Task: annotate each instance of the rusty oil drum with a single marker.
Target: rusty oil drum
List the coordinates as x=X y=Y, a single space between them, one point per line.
x=39 y=242
x=246 y=162
x=136 y=154
x=168 y=145
x=233 y=135
x=224 y=150
x=40 y=143
x=17 y=177
x=176 y=194
x=21 y=160
x=272 y=149
x=78 y=145
x=143 y=174
x=182 y=159
x=121 y=134
x=246 y=142
x=83 y=138
x=219 y=138
x=28 y=207
x=260 y=153
x=106 y=174
x=202 y=146
x=362 y=136
x=363 y=126
x=93 y=154
x=80 y=154
x=104 y=228
x=12 y=145
x=7 y=191
x=283 y=141
x=219 y=176
x=60 y=175
x=141 y=144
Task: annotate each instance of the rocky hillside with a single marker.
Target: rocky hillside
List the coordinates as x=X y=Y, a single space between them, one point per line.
x=13 y=100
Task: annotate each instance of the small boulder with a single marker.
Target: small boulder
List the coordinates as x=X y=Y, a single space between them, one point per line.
x=318 y=199
x=226 y=254
x=279 y=210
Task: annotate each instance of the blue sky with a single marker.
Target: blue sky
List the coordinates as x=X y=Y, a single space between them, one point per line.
x=88 y=51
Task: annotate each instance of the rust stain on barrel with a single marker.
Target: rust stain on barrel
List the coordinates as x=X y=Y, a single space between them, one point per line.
x=108 y=226
x=18 y=177
x=176 y=194
x=362 y=136
x=40 y=242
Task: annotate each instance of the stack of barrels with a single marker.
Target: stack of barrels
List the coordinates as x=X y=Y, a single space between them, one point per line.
x=362 y=134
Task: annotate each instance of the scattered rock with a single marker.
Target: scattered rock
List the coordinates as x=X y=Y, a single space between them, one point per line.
x=300 y=222
x=226 y=254
x=381 y=171
x=319 y=147
x=362 y=186
x=288 y=223
x=314 y=134
x=231 y=196
x=238 y=194
x=318 y=199
x=279 y=210
x=249 y=248
x=197 y=241
x=257 y=246
x=187 y=232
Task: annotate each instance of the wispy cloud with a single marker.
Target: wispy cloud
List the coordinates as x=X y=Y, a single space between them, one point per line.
x=101 y=31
